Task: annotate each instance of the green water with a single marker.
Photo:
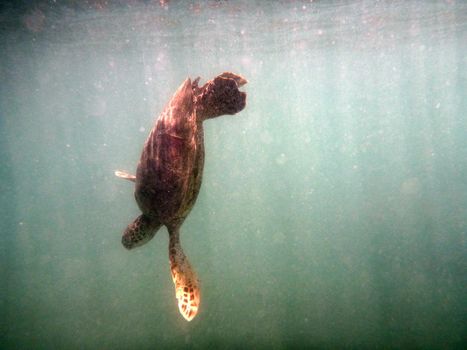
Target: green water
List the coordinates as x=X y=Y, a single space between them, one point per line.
x=333 y=211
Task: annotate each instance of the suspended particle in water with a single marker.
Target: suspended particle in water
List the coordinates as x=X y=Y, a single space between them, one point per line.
x=266 y=137
x=97 y=107
x=34 y=21
x=410 y=186
x=281 y=159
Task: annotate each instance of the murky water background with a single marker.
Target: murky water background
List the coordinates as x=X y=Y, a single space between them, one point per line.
x=333 y=211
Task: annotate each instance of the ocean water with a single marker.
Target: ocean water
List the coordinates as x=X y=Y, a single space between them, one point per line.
x=333 y=210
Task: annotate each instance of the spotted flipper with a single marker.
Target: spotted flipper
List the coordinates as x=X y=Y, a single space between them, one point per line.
x=125 y=175
x=186 y=283
x=140 y=232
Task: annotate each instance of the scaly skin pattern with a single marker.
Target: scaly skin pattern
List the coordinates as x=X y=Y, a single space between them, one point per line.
x=170 y=170
x=186 y=283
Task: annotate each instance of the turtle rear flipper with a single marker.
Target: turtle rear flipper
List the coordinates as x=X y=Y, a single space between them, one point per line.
x=140 y=231
x=187 y=289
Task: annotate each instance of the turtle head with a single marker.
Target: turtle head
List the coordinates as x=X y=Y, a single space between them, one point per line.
x=221 y=96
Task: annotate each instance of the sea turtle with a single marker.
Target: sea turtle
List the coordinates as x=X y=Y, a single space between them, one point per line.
x=169 y=173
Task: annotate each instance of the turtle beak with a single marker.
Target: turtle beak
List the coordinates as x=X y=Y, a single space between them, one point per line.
x=238 y=78
x=241 y=81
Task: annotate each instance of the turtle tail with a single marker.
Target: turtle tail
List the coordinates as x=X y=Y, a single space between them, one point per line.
x=186 y=283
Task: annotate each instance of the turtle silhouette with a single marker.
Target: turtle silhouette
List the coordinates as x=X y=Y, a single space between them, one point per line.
x=169 y=173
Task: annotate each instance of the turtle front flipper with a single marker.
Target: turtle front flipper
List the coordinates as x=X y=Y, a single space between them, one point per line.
x=125 y=175
x=140 y=231
x=186 y=283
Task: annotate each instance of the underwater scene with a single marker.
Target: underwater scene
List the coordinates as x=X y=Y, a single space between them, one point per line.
x=332 y=212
